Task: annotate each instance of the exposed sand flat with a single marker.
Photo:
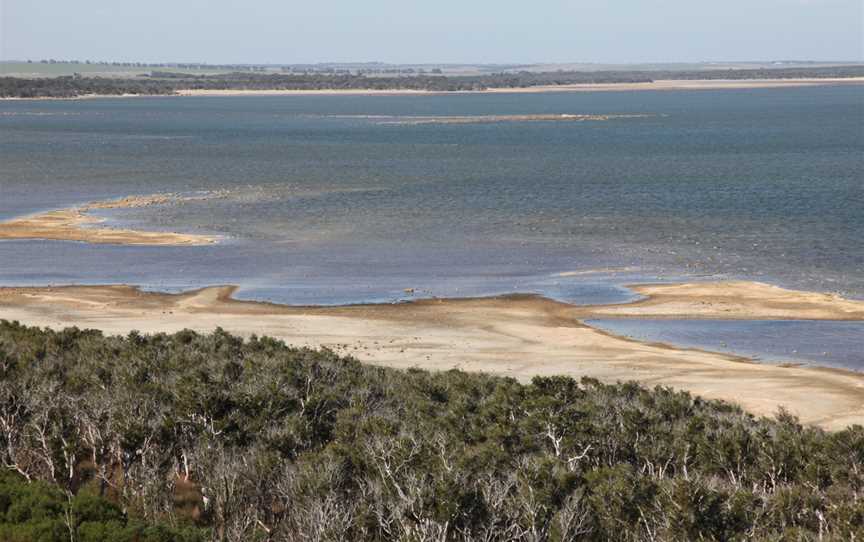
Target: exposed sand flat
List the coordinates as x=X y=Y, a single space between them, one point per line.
x=75 y=224
x=518 y=336
x=487 y=119
x=739 y=300
x=692 y=84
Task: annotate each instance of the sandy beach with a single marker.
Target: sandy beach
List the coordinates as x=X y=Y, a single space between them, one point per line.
x=660 y=84
x=518 y=336
x=694 y=84
x=75 y=224
x=730 y=300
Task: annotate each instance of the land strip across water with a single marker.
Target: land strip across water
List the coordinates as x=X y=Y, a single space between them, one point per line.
x=518 y=336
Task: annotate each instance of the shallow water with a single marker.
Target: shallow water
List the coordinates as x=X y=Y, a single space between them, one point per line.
x=808 y=342
x=765 y=183
x=323 y=203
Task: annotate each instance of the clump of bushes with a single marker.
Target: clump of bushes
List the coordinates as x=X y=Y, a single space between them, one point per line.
x=40 y=511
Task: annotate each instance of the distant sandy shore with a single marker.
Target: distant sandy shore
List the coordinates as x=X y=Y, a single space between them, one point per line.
x=518 y=336
x=695 y=84
x=660 y=84
x=75 y=224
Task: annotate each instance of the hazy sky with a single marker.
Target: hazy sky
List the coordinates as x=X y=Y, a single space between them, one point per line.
x=289 y=31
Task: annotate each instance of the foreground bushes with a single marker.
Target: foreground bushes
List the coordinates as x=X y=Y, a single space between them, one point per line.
x=213 y=437
x=41 y=511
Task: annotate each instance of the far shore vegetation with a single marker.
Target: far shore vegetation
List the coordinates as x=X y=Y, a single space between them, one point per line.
x=191 y=437
x=167 y=82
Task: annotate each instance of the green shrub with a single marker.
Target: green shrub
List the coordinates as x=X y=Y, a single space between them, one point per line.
x=190 y=437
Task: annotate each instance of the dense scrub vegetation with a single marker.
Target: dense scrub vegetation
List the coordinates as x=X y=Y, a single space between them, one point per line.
x=189 y=437
x=71 y=87
x=158 y=83
x=40 y=511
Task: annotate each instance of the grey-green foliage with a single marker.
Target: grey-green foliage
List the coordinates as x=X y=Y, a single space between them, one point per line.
x=162 y=82
x=254 y=440
x=37 y=511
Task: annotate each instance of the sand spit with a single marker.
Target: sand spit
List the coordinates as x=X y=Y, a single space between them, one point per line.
x=731 y=300
x=489 y=119
x=75 y=224
x=518 y=336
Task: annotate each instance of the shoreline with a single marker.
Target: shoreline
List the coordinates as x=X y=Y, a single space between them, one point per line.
x=729 y=300
x=657 y=85
x=520 y=336
x=660 y=84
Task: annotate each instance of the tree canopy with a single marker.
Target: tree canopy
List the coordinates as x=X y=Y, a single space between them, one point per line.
x=211 y=437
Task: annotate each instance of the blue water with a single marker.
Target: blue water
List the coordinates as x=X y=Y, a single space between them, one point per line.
x=810 y=342
x=319 y=205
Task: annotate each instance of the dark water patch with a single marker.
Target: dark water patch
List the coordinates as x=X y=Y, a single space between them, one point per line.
x=810 y=342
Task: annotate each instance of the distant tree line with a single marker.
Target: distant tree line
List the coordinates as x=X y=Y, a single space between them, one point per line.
x=166 y=82
x=72 y=87
x=180 y=65
x=192 y=437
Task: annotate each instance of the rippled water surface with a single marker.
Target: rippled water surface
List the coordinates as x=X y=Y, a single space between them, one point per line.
x=322 y=202
x=760 y=183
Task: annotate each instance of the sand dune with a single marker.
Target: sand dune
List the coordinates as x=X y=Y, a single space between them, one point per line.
x=518 y=336
x=75 y=224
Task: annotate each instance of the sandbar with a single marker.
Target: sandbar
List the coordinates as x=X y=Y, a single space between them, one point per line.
x=519 y=336
x=730 y=300
x=490 y=119
x=75 y=224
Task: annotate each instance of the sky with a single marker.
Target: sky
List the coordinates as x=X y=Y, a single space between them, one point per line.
x=414 y=31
